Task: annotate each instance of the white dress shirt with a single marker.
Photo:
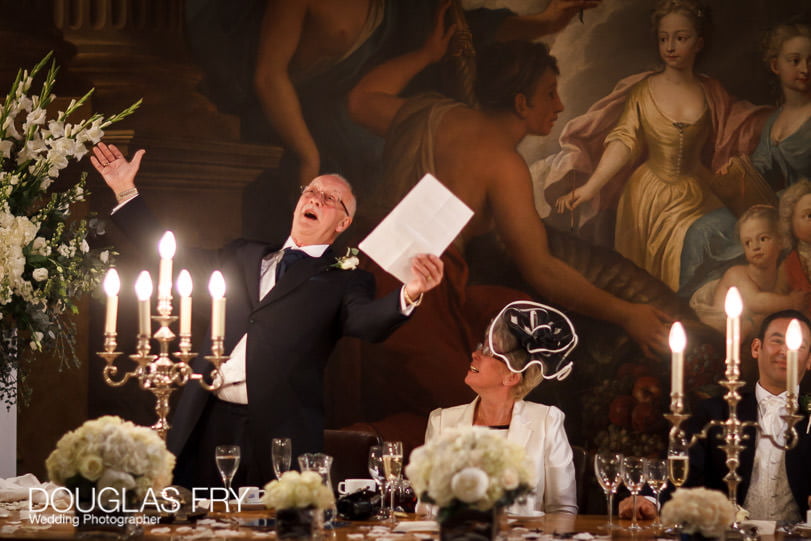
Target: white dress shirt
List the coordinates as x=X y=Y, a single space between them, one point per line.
x=769 y=496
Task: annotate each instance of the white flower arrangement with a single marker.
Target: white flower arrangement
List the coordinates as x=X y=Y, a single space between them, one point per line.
x=45 y=259
x=348 y=261
x=700 y=510
x=298 y=491
x=111 y=452
x=471 y=467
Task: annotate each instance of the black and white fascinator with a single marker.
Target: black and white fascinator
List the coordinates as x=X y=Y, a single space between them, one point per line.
x=546 y=335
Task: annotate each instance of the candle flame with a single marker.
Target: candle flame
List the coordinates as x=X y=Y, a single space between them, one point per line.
x=733 y=304
x=143 y=286
x=678 y=340
x=112 y=283
x=167 y=245
x=216 y=286
x=794 y=335
x=184 y=283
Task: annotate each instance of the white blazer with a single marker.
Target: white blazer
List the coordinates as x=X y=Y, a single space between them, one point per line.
x=539 y=430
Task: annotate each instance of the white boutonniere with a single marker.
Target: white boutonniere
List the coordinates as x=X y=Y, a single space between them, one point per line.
x=349 y=261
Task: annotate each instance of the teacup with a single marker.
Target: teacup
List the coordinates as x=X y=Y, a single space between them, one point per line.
x=251 y=495
x=350 y=486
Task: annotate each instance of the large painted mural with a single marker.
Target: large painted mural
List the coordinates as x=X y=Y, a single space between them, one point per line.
x=627 y=206
x=665 y=157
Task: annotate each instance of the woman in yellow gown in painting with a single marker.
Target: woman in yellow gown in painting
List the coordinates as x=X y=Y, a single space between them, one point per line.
x=669 y=119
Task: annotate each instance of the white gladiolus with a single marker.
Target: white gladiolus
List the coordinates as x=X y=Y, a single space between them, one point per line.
x=34 y=149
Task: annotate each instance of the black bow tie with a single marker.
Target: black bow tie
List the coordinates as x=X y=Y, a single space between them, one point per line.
x=290 y=256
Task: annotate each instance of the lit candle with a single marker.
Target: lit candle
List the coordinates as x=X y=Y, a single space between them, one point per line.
x=143 y=290
x=734 y=307
x=166 y=248
x=678 y=341
x=794 y=339
x=216 y=286
x=112 y=285
x=184 y=286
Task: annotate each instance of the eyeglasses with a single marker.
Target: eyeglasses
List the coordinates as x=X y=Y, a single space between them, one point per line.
x=330 y=199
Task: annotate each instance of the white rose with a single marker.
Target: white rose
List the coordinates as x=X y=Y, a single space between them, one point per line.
x=40 y=274
x=469 y=485
x=104 y=256
x=349 y=263
x=91 y=467
x=509 y=479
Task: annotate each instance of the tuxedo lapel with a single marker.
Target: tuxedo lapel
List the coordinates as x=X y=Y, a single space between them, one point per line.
x=298 y=273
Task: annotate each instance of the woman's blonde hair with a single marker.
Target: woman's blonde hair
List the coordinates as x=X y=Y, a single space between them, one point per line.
x=788 y=201
x=775 y=38
x=508 y=345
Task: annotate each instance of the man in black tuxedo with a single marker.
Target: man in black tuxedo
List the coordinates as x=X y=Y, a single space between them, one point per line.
x=287 y=307
x=776 y=485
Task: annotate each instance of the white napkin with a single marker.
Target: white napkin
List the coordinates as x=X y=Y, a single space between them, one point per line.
x=417 y=526
x=15 y=489
x=764 y=527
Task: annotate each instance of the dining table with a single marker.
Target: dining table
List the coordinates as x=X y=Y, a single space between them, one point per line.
x=259 y=524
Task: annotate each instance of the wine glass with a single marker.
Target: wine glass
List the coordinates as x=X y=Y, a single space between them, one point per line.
x=392 y=453
x=633 y=475
x=678 y=463
x=608 y=470
x=281 y=454
x=656 y=473
x=379 y=475
x=227 y=458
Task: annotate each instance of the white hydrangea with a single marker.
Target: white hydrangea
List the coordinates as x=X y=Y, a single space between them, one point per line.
x=472 y=465
x=298 y=490
x=699 y=510
x=112 y=453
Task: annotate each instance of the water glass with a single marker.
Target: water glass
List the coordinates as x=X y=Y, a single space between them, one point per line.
x=608 y=470
x=322 y=465
x=281 y=454
x=227 y=458
x=633 y=475
x=656 y=473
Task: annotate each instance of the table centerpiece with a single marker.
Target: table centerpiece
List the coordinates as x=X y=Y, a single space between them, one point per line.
x=112 y=469
x=299 y=500
x=470 y=474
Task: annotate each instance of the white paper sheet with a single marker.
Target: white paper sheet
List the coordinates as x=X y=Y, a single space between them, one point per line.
x=426 y=221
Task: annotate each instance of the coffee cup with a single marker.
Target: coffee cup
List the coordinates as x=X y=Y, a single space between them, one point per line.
x=350 y=486
x=251 y=495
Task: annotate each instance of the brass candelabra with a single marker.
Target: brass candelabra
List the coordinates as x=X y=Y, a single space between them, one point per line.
x=732 y=433
x=159 y=374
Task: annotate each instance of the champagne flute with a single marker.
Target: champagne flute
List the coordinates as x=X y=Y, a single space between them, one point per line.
x=377 y=472
x=392 y=467
x=656 y=473
x=678 y=462
x=227 y=458
x=281 y=450
x=633 y=475
x=608 y=470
